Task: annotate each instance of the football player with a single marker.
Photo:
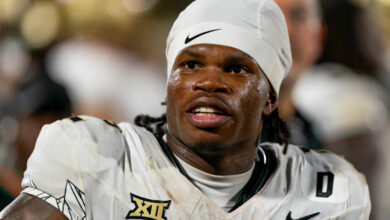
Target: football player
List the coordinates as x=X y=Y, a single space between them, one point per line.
x=226 y=60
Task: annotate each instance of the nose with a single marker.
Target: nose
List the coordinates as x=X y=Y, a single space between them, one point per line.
x=211 y=80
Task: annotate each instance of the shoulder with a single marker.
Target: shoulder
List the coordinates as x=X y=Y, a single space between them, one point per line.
x=84 y=139
x=317 y=160
x=88 y=127
x=85 y=130
x=93 y=140
x=67 y=148
x=323 y=178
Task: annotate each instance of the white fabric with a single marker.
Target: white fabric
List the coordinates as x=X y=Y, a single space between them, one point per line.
x=220 y=189
x=256 y=27
x=92 y=170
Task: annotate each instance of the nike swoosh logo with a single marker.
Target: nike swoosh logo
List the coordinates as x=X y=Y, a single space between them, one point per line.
x=189 y=39
x=302 y=218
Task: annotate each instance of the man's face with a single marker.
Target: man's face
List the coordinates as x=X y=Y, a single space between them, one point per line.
x=305 y=32
x=216 y=98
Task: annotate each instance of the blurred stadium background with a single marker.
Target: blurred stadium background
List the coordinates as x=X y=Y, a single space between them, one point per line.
x=106 y=58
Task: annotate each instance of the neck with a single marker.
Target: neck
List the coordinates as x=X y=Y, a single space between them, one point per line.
x=238 y=159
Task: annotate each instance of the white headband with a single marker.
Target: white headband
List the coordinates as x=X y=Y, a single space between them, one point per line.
x=256 y=27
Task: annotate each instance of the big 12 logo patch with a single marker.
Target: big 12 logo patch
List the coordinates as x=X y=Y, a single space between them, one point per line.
x=147 y=208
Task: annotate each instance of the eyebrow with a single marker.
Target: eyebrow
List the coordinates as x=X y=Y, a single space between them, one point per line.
x=192 y=53
x=238 y=59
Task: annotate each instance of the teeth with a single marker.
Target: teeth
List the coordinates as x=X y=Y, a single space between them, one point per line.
x=206 y=114
x=205 y=111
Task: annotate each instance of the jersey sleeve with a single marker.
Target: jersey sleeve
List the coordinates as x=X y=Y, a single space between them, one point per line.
x=336 y=181
x=68 y=155
x=53 y=172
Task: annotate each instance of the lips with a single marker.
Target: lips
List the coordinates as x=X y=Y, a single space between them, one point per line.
x=208 y=112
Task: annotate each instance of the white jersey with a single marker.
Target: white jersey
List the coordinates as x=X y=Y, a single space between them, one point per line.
x=93 y=169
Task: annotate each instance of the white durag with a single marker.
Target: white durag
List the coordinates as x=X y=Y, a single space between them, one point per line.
x=256 y=27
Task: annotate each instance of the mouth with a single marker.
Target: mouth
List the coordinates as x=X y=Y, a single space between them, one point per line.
x=208 y=113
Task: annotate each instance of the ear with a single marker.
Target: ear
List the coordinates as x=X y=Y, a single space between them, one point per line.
x=271 y=103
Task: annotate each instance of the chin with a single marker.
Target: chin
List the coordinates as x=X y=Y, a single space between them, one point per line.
x=205 y=148
x=209 y=143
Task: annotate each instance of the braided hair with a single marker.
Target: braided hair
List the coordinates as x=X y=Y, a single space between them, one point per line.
x=274 y=128
x=154 y=125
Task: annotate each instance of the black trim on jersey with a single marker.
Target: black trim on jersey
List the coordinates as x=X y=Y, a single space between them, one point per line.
x=76 y=119
x=304 y=149
x=172 y=158
x=261 y=173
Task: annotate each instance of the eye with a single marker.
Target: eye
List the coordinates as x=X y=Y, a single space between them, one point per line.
x=190 y=64
x=237 y=69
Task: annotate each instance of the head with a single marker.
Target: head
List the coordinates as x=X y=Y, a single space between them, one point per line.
x=217 y=97
x=224 y=72
x=356 y=41
x=306 y=32
x=38 y=101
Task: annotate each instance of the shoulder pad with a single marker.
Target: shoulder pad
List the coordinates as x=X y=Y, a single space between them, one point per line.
x=98 y=136
x=329 y=178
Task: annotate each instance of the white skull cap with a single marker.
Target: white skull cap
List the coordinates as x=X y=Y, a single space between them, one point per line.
x=256 y=27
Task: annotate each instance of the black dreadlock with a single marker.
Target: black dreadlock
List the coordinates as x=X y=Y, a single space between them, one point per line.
x=154 y=125
x=274 y=128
